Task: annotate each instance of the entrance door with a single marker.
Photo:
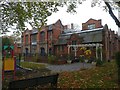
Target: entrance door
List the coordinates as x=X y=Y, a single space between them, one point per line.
x=50 y=51
x=42 y=51
x=26 y=51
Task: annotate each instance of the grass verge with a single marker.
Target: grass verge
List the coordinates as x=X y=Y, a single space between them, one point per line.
x=99 y=77
x=35 y=66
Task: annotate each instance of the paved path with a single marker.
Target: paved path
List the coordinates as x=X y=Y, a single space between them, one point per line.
x=68 y=67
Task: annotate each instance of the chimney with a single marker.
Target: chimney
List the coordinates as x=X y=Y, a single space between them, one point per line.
x=72 y=27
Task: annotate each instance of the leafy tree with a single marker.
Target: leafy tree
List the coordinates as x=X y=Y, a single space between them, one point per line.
x=7 y=41
x=36 y=13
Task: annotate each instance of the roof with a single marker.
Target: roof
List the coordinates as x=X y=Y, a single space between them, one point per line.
x=63 y=39
x=93 y=20
x=89 y=36
x=61 y=42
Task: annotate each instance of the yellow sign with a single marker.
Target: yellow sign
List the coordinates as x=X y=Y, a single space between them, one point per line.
x=9 y=64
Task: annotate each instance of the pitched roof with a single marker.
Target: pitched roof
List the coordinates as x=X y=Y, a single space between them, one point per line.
x=89 y=36
x=92 y=37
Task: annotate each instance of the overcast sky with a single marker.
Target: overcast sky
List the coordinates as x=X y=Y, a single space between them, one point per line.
x=84 y=13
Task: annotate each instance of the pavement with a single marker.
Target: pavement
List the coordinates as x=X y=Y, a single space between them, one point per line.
x=69 y=67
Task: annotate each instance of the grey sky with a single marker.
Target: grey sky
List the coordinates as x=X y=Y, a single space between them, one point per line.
x=84 y=12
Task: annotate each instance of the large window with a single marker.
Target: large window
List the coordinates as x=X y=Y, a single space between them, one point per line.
x=26 y=39
x=42 y=36
x=50 y=35
x=34 y=38
x=91 y=26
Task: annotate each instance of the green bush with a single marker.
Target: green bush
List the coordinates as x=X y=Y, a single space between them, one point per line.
x=99 y=62
x=51 y=59
x=82 y=58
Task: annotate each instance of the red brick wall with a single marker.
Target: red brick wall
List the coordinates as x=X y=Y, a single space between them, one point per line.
x=17 y=50
x=74 y=37
x=92 y=21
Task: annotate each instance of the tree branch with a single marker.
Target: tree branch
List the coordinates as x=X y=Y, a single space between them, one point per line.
x=112 y=14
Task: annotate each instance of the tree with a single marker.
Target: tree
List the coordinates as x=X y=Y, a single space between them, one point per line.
x=7 y=41
x=36 y=13
x=112 y=14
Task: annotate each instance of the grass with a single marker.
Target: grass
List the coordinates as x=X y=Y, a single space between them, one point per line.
x=31 y=65
x=98 y=77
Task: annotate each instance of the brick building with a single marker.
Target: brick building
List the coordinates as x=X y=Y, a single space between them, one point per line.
x=92 y=33
x=55 y=38
x=41 y=41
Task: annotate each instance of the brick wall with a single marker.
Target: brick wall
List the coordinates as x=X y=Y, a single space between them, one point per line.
x=92 y=21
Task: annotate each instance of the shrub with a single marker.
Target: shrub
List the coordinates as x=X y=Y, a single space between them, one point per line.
x=51 y=59
x=99 y=62
x=70 y=57
x=81 y=58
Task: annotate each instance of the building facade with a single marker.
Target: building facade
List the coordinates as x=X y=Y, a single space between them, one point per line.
x=92 y=33
x=55 y=38
x=41 y=41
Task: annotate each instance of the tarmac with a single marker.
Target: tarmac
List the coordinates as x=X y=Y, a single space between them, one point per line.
x=69 y=67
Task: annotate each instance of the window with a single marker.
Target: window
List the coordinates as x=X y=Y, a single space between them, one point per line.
x=60 y=48
x=22 y=40
x=34 y=38
x=50 y=35
x=91 y=26
x=74 y=42
x=42 y=36
x=26 y=39
x=50 y=27
x=33 y=49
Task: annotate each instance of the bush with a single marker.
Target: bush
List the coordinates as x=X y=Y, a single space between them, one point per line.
x=99 y=62
x=81 y=58
x=70 y=57
x=51 y=59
